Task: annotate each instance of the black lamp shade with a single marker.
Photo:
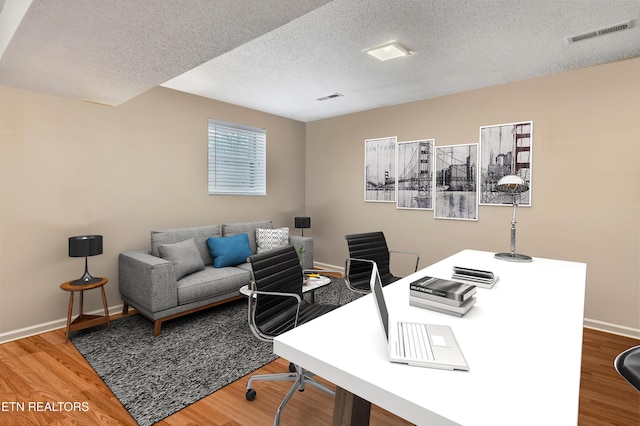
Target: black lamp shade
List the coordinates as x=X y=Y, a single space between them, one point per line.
x=303 y=222
x=85 y=245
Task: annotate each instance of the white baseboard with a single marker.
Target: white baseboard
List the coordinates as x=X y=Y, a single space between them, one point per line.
x=49 y=326
x=319 y=265
x=612 y=328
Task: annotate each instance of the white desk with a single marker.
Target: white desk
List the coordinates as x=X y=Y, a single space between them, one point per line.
x=522 y=341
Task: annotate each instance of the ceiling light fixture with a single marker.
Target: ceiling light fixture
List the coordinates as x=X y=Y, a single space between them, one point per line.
x=388 y=51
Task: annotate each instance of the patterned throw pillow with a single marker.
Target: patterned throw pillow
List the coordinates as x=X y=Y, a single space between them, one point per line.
x=271 y=239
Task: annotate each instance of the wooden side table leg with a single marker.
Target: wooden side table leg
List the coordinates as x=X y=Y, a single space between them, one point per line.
x=81 y=304
x=106 y=309
x=69 y=313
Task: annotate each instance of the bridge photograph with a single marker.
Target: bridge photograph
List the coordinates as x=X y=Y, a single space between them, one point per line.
x=415 y=174
x=505 y=149
x=380 y=169
x=456 y=182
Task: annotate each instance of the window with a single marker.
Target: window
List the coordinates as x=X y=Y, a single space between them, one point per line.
x=237 y=159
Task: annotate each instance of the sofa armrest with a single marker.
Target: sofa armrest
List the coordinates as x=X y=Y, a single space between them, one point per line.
x=147 y=280
x=297 y=242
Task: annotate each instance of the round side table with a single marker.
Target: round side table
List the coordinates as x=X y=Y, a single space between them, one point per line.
x=82 y=320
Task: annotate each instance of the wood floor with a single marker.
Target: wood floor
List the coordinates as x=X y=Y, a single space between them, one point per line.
x=41 y=378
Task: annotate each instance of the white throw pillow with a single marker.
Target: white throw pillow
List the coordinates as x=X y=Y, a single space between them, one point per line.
x=271 y=239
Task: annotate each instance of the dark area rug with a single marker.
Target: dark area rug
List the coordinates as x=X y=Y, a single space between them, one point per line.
x=153 y=377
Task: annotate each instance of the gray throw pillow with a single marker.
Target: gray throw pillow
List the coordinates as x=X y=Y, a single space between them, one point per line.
x=184 y=255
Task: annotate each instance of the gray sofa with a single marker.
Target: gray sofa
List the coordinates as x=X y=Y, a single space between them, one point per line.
x=176 y=276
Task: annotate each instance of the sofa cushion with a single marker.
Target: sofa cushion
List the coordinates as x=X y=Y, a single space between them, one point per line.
x=271 y=239
x=211 y=282
x=248 y=228
x=229 y=251
x=184 y=255
x=198 y=233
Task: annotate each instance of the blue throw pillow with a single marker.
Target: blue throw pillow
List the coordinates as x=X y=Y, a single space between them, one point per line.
x=229 y=251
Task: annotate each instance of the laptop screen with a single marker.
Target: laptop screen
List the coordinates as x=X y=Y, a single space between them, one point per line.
x=376 y=288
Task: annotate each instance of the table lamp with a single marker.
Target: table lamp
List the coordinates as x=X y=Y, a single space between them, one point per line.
x=303 y=223
x=85 y=246
x=513 y=185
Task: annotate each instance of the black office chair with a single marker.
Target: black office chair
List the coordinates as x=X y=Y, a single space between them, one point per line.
x=276 y=306
x=369 y=246
x=627 y=364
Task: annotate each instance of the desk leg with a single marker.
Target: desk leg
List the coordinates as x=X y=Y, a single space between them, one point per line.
x=106 y=309
x=69 y=313
x=350 y=409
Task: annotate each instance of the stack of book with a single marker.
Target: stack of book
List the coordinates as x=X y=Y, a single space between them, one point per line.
x=478 y=277
x=440 y=295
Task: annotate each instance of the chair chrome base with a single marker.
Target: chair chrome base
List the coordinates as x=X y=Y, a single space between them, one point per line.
x=513 y=257
x=300 y=377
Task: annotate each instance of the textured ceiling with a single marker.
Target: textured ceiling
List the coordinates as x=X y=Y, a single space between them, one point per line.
x=280 y=56
x=111 y=51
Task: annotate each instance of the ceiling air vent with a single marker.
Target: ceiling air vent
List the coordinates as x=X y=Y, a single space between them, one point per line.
x=333 y=95
x=603 y=31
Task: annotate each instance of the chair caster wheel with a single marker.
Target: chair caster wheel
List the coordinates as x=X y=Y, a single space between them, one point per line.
x=251 y=395
x=292 y=368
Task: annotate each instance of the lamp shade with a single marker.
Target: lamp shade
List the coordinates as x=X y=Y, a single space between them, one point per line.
x=303 y=222
x=512 y=184
x=85 y=245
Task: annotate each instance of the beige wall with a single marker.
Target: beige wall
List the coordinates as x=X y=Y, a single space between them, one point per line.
x=70 y=168
x=585 y=190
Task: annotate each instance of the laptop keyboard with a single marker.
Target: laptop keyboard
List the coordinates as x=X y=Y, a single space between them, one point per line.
x=414 y=341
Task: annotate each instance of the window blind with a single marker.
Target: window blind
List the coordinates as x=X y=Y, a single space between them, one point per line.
x=237 y=159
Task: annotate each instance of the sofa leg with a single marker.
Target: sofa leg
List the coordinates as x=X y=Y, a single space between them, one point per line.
x=156 y=327
x=125 y=308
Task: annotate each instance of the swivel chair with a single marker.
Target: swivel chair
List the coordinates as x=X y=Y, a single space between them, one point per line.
x=627 y=364
x=370 y=246
x=276 y=306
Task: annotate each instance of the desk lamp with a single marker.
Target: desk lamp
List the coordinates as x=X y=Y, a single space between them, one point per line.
x=303 y=223
x=513 y=185
x=84 y=246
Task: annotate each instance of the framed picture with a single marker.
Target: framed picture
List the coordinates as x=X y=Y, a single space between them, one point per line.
x=415 y=174
x=505 y=149
x=380 y=169
x=457 y=182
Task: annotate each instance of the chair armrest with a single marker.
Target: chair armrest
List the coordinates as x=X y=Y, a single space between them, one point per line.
x=276 y=293
x=409 y=252
x=251 y=310
x=306 y=243
x=347 y=279
x=147 y=280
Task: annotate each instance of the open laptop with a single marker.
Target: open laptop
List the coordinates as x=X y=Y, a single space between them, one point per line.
x=422 y=345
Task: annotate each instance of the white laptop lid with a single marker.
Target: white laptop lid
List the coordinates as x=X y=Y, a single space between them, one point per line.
x=446 y=352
